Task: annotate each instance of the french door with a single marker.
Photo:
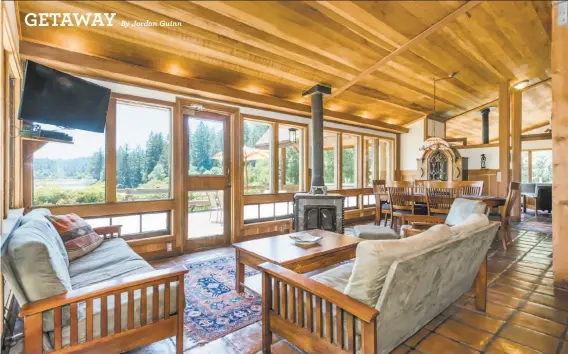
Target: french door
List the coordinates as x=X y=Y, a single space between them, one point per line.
x=207 y=151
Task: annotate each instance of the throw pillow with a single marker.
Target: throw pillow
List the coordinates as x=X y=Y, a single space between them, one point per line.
x=78 y=236
x=374 y=258
x=472 y=223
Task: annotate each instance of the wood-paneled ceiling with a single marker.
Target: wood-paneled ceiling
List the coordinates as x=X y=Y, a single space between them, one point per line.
x=379 y=57
x=537 y=110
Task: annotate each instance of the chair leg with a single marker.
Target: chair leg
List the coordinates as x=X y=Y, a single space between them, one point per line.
x=503 y=235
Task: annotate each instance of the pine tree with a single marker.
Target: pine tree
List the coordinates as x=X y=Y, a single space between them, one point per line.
x=200 y=149
x=96 y=165
x=154 y=148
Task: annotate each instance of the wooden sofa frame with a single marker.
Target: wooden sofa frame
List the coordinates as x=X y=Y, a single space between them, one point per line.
x=149 y=330
x=283 y=309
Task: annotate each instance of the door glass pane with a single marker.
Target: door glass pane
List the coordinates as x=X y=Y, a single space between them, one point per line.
x=542 y=166
x=290 y=159
x=206 y=146
x=257 y=155
x=330 y=159
x=206 y=214
x=142 y=152
x=350 y=147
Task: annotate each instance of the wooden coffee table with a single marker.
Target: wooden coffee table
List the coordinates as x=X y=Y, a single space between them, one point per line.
x=331 y=249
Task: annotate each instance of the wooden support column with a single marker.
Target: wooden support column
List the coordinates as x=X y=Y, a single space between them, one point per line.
x=283 y=169
x=504 y=141
x=376 y=159
x=383 y=160
x=516 y=130
x=559 y=148
x=396 y=165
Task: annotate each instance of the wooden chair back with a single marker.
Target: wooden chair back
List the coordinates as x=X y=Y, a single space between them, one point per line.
x=419 y=186
x=401 y=195
x=440 y=196
x=471 y=188
x=513 y=193
x=380 y=188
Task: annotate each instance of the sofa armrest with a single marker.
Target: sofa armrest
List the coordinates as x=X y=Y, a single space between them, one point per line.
x=108 y=231
x=109 y=287
x=355 y=307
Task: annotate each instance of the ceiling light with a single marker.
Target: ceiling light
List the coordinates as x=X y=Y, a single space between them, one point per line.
x=521 y=84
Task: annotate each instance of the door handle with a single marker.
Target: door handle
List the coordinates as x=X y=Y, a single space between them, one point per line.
x=228 y=174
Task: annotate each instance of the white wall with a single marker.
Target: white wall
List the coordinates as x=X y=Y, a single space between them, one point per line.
x=474 y=157
x=537 y=144
x=410 y=145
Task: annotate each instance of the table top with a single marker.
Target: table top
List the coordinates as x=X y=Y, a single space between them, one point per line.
x=283 y=250
x=488 y=199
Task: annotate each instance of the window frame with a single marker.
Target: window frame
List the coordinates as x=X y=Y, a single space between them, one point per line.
x=530 y=161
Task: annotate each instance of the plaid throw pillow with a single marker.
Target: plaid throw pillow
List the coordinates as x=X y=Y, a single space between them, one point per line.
x=78 y=236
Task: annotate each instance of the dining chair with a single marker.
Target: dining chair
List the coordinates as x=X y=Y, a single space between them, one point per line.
x=401 y=197
x=440 y=196
x=382 y=205
x=513 y=193
x=470 y=188
x=419 y=186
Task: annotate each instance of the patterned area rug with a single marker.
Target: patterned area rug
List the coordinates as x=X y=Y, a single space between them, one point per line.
x=534 y=225
x=213 y=308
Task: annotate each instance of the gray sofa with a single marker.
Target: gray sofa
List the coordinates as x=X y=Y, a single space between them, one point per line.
x=536 y=196
x=399 y=286
x=36 y=267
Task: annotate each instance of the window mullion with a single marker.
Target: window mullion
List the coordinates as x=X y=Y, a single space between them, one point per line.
x=110 y=153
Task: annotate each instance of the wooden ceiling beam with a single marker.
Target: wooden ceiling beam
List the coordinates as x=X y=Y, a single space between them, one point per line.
x=535 y=137
x=113 y=70
x=407 y=46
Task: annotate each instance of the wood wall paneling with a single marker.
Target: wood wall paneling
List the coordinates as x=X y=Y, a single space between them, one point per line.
x=559 y=148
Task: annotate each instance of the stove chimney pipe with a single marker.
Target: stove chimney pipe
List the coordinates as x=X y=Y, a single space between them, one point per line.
x=317 y=92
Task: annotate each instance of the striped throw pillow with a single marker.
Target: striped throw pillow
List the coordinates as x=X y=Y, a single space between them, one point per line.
x=78 y=236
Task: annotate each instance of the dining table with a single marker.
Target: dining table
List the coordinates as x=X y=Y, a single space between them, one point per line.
x=490 y=200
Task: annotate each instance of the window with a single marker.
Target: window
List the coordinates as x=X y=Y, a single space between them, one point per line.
x=350 y=202
x=349 y=161
x=525 y=167
x=290 y=159
x=136 y=226
x=330 y=159
x=257 y=154
x=541 y=166
x=142 y=152
x=369 y=200
x=70 y=174
x=267 y=212
x=369 y=162
x=206 y=146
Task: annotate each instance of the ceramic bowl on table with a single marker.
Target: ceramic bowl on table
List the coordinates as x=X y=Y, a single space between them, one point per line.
x=304 y=238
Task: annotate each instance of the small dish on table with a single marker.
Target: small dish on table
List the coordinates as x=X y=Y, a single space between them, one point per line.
x=304 y=238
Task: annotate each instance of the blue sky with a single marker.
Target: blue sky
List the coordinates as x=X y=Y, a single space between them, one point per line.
x=133 y=126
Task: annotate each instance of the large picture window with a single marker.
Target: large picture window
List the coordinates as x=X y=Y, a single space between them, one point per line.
x=257 y=156
x=541 y=166
x=330 y=147
x=349 y=161
x=290 y=158
x=142 y=152
x=70 y=174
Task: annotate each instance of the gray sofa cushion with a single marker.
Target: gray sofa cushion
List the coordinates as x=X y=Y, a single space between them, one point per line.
x=462 y=208
x=374 y=259
x=374 y=232
x=528 y=188
x=336 y=277
x=112 y=259
x=37 y=261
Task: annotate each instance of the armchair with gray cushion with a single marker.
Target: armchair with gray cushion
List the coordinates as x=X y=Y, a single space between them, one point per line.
x=537 y=196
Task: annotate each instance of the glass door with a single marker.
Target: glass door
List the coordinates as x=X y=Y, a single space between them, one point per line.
x=208 y=185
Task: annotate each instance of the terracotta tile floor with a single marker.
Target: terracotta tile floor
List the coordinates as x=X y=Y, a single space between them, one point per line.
x=525 y=313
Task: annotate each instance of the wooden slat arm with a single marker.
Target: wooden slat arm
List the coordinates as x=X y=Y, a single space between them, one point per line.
x=355 y=307
x=100 y=289
x=105 y=230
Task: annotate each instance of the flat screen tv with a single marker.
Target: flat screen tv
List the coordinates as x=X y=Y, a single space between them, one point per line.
x=54 y=97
